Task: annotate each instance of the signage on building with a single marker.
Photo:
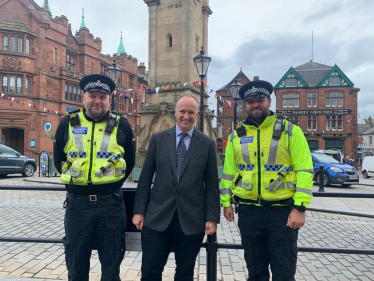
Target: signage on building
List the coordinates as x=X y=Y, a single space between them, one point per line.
x=315 y=112
x=328 y=135
x=47 y=127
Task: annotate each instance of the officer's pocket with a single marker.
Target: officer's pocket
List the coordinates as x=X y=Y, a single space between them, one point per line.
x=246 y=181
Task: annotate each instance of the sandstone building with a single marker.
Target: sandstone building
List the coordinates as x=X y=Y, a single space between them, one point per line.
x=42 y=62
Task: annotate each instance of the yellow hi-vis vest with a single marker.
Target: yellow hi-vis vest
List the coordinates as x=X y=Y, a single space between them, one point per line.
x=261 y=166
x=93 y=155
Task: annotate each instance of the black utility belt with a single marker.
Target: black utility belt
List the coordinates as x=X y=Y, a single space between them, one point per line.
x=265 y=203
x=91 y=197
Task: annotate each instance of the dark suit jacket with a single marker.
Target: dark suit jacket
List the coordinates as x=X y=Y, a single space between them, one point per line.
x=195 y=197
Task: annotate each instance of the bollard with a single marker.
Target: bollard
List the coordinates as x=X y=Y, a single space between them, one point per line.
x=211 y=257
x=321 y=178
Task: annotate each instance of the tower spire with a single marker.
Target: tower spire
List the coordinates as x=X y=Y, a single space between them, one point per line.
x=121 y=47
x=46 y=6
x=83 y=24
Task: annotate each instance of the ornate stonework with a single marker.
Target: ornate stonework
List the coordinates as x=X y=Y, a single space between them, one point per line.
x=12 y=63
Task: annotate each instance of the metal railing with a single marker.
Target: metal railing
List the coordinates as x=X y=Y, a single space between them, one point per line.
x=211 y=244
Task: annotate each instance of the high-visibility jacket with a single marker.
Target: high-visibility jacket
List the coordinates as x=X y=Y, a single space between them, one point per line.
x=93 y=154
x=261 y=165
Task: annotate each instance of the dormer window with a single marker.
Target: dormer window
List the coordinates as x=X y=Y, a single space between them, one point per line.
x=335 y=81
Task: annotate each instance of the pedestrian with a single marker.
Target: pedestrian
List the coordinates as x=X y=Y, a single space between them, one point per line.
x=184 y=199
x=269 y=170
x=94 y=152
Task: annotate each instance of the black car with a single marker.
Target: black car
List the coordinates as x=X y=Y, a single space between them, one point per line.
x=13 y=162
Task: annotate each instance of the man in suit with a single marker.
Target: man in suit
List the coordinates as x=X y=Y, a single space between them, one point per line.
x=184 y=200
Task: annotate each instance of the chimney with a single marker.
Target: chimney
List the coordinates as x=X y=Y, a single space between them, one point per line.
x=141 y=68
x=256 y=78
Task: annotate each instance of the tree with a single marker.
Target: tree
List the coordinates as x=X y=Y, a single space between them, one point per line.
x=369 y=121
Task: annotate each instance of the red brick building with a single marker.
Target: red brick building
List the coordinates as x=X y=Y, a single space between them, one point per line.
x=225 y=113
x=323 y=101
x=42 y=62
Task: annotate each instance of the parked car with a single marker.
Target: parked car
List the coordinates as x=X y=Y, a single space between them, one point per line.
x=368 y=167
x=334 y=172
x=13 y=162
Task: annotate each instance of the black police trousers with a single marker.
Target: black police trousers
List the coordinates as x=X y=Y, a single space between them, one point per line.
x=267 y=239
x=97 y=225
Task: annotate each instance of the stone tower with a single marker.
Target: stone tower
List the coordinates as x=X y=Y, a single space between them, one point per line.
x=177 y=30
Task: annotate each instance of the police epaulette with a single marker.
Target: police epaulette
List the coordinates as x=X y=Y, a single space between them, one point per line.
x=240 y=130
x=74 y=111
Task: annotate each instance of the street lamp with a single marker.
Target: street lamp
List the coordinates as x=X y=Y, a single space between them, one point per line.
x=114 y=73
x=202 y=63
x=234 y=87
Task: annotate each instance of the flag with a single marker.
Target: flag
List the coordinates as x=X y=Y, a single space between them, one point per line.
x=139 y=91
x=166 y=87
x=204 y=82
x=157 y=89
x=196 y=83
x=149 y=91
x=184 y=84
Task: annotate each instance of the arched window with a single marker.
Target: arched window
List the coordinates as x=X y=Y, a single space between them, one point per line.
x=5 y=43
x=12 y=44
x=19 y=45
x=170 y=40
x=12 y=84
x=19 y=85
x=5 y=84
x=27 y=46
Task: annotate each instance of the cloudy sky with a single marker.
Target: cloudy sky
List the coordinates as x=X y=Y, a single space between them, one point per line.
x=263 y=37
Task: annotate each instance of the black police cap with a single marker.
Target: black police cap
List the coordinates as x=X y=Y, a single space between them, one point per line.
x=256 y=89
x=97 y=83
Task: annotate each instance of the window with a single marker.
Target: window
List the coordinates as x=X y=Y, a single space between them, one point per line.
x=103 y=69
x=79 y=95
x=12 y=82
x=370 y=140
x=291 y=100
x=114 y=97
x=71 y=92
x=5 y=84
x=312 y=122
x=334 y=122
x=27 y=85
x=334 y=99
x=19 y=45
x=130 y=106
x=55 y=55
x=313 y=144
x=295 y=119
x=131 y=78
x=19 y=85
x=143 y=98
x=239 y=106
x=12 y=44
x=335 y=81
x=291 y=82
x=27 y=46
x=170 y=40
x=312 y=99
x=70 y=61
x=5 y=43
x=75 y=93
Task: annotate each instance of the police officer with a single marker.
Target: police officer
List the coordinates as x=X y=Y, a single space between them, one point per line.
x=94 y=152
x=269 y=170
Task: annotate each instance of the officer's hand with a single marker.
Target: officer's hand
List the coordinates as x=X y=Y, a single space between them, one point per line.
x=228 y=212
x=211 y=227
x=296 y=219
x=138 y=221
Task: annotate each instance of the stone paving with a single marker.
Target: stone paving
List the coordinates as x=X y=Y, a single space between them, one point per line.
x=40 y=214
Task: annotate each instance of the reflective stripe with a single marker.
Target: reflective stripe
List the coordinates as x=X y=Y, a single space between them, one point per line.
x=245 y=153
x=78 y=139
x=282 y=186
x=232 y=137
x=79 y=176
x=246 y=186
x=304 y=190
x=289 y=134
x=273 y=149
x=104 y=154
x=228 y=177
x=74 y=154
x=273 y=168
x=306 y=170
x=105 y=142
x=243 y=167
x=226 y=191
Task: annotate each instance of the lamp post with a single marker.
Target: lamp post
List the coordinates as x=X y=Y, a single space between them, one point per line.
x=114 y=73
x=234 y=87
x=202 y=63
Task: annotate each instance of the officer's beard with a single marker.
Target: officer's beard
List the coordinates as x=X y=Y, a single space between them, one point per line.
x=260 y=117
